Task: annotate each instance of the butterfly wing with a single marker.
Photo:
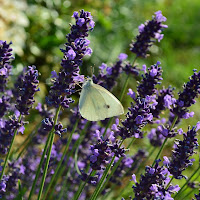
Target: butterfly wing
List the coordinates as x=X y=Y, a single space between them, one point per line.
x=91 y=104
x=111 y=103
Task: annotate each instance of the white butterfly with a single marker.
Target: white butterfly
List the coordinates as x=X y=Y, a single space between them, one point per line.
x=96 y=103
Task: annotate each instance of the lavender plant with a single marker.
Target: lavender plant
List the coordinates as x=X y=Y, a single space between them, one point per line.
x=90 y=160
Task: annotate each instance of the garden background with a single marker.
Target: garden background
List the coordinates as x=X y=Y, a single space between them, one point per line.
x=37 y=30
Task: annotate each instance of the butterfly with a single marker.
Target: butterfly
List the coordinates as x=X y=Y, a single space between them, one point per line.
x=96 y=103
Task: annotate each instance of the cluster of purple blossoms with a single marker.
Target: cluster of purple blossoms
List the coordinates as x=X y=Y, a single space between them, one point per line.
x=7 y=130
x=108 y=75
x=148 y=32
x=16 y=170
x=101 y=154
x=179 y=160
x=194 y=184
x=140 y=113
x=165 y=99
x=5 y=67
x=89 y=179
x=75 y=49
x=150 y=80
x=45 y=128
x=187 y=97
x=136 y=118
x=156 y=137
x=130 y=69
x=25 y=88
x=104 y=149
x=152 y=184
x=3 y=186
x=4 y=105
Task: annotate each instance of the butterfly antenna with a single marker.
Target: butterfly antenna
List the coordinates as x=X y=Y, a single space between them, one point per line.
x=92 y=71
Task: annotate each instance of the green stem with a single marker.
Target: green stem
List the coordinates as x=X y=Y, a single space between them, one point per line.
x=46 y=165
x=48 y=154
x=98 y=188
x=169 y=183
x=124 y=88
x=76 y=161
x=29 y=139
x=39 y=167
x=115 y=167
x=189 y=193
x=76 y=145
x=61 y=160
x=107 y=126
x=179 y=192
x=78 y=193
x=9 y=151
x=163 y=144
x=126 y=82
x=65 y=186
x=160 y=151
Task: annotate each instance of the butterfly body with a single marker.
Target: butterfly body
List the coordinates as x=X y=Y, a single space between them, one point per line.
x=96 y=103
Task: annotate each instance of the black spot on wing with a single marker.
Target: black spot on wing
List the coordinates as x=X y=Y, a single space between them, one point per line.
x=106 y=106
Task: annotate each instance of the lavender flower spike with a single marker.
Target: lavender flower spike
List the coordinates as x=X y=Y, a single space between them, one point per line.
x=183 y=150
x=187 y=97
x=5 y=67
x=75 y=49
x=26 y=88
x=150 y=80
x=152 y=184
x=148 y=32
x=136 y=118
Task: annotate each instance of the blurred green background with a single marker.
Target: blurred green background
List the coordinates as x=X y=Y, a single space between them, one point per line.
x=37 y=29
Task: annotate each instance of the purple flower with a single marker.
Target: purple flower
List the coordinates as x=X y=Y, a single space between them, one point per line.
x=9 y=183
x=4 y=105
x=122 y=56
x=54 y=74
x=152 y=78
x=197 y=196
x=98 y=160
x=153 y=183
x=133 y=178
x=59 y=129
x=136 y=118
x=25 y=90
x=108 y=75
x=81 y=21
x=7 y=132
x=148 y=32
x=179 y=160
x=3 y=186
x=131 y=93
x=165 y=99
x=75 y=49
x=187 y=97
x=130 y=69
x=71 y=54
x=156 y=137
x=90 y=179
x=5 y=60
